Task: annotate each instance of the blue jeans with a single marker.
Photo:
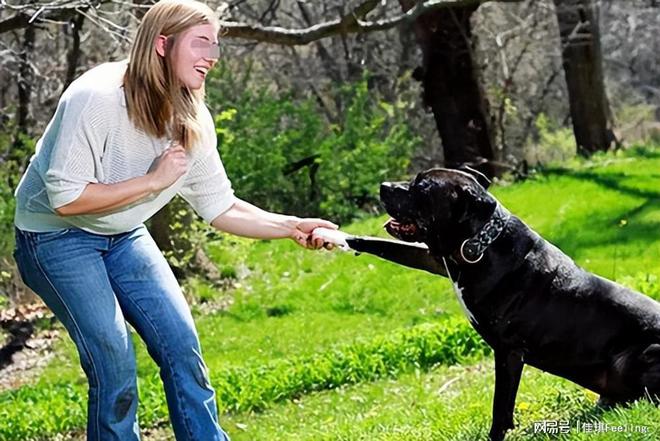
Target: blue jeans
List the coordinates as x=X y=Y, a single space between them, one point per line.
x=95 y=284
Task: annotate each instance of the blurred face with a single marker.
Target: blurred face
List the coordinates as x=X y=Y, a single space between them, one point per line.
x=194 y=53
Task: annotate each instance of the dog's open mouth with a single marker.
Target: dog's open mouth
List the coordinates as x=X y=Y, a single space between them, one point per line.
x=407 y=231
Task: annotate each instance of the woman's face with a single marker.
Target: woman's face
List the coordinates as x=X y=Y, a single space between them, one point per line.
x=194 y=53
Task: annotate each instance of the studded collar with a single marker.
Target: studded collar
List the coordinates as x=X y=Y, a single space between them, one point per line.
x=473 y=249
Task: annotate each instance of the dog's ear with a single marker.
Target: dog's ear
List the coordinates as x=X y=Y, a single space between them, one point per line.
x=480 y=177
x=476 y=204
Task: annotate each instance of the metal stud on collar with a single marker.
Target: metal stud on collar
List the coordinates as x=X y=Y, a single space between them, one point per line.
x=463 y=253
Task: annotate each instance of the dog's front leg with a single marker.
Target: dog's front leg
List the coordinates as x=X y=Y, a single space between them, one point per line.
x=410 y=255
x=508 y=369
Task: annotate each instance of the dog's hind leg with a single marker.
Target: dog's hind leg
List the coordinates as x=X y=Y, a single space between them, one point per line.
x=508 y=369
x=413 y=256
x=635 y=374
x=649 y=365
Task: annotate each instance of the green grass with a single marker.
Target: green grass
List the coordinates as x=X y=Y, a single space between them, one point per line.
x=256 y=386
x=448 y=403
x=295 y=313
x=605 y=213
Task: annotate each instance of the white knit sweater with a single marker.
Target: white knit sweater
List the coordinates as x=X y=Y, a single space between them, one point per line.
x=91 y=140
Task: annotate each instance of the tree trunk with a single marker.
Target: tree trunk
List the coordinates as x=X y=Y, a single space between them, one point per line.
x=72 y=58
x=25 y=80
x=583 y=68
x=452 y=86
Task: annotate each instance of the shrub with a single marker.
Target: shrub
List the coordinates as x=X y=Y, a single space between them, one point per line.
x=14 y=156
x=554 y=144
x=15 y=152
x=373 y=144
x=282 y=154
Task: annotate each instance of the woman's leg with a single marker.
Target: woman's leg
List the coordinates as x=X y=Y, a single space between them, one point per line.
x=66 y=269
x=153 y=303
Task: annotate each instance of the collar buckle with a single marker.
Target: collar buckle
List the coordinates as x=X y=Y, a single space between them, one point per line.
x=472 y=249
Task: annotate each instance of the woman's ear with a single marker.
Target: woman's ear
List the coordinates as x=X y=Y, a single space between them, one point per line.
x=161 y=45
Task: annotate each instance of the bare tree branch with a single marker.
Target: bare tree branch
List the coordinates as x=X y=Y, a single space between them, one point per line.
x=34 y=13
x=24 y=19
x=350 y=23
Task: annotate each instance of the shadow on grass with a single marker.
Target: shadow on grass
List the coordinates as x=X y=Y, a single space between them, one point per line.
x=602 y=227
x=610 y=180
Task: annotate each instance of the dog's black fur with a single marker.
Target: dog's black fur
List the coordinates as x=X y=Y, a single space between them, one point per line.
x=527 y=299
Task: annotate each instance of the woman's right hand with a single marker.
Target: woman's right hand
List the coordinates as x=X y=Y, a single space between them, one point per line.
x=102 y=198
x=168 y=167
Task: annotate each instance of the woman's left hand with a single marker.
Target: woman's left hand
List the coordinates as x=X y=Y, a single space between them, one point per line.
x=246 y=220
x=304 y=237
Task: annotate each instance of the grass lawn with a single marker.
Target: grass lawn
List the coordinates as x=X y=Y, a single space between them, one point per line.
x=447 y=403
x=293 y=307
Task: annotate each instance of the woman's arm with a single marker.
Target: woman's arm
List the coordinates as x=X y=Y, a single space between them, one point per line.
x=100 y=198
x=244 y=219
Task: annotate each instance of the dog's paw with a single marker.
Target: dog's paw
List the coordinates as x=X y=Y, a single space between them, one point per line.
x=334 y=237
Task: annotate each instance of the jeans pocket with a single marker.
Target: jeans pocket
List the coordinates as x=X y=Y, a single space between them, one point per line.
x=50 y=235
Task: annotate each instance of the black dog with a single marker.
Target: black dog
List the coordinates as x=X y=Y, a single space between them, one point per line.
x=528 y=300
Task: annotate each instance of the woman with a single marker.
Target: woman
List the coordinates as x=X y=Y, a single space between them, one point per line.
x=125 y=138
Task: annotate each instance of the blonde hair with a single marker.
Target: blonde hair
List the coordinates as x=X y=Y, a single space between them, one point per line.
x=158 y=102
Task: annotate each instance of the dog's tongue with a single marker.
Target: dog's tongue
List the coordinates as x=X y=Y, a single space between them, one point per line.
x=397 y=228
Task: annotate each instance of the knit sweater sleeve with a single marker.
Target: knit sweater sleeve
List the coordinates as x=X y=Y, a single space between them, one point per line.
x=76 y=142
x=207 y=188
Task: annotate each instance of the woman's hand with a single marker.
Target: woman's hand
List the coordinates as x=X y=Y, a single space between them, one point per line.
x=303 y=236
x=244 y=219
x=102 y=198
x=168 y=168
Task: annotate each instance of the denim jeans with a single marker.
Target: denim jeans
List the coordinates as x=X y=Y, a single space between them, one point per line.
x=95 y=284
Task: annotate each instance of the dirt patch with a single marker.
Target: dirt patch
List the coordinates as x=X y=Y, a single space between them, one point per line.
x=27 y=342
x=27 y=364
